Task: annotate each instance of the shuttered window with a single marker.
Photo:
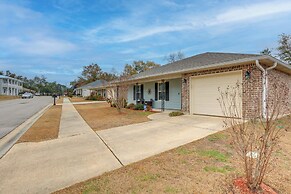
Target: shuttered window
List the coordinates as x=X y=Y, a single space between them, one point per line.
x=162 y=91
x=138 y=92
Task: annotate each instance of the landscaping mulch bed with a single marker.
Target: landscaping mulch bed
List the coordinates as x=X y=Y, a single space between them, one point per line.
x=45 y=128
x=101 y=116
x=209 y=165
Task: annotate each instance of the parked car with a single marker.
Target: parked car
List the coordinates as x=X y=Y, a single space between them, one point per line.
x=27 y=95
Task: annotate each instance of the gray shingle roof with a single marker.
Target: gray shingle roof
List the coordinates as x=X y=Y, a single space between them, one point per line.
x=95 y=84
x=194 y=62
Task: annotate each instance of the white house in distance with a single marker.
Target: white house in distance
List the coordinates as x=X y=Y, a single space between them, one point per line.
x=10 y=86
x=89 y=88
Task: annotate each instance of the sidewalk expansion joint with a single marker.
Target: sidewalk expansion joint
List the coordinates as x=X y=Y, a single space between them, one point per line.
x=109 y=149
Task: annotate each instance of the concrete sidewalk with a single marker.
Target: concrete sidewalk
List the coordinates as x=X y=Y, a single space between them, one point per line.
x=48 y=166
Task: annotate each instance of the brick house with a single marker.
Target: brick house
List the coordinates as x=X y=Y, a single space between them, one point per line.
x=191 y=85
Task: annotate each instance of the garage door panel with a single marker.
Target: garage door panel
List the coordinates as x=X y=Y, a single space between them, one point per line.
x=204 y=92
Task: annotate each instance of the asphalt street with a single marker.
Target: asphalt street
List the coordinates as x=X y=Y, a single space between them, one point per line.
x=14 y=112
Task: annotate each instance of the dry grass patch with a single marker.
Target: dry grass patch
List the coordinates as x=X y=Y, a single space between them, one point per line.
x=204 y=166
x=45 y=128
x=60 y=100
x=2 y=97
x=101 y=116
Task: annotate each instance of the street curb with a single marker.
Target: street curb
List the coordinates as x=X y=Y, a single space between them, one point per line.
x=8 y=141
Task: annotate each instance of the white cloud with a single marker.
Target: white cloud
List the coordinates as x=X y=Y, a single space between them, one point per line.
x=251 y=12
x=135 y=27
x=25 y=31
x=142 y=33
x=41 y=46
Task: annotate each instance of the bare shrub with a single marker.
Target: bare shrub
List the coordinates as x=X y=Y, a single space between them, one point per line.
x=117 y=93
x=255 y=137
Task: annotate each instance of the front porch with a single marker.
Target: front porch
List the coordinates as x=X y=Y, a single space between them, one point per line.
x=164 y=94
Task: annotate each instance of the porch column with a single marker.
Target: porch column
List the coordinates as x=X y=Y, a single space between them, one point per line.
x=163 y=92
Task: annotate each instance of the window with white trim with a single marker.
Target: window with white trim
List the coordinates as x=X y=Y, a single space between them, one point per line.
x=138 y=92
x=160 y=90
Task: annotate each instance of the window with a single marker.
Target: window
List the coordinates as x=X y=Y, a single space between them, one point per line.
x=138 y=92
x=162 y=91
x=5 y=81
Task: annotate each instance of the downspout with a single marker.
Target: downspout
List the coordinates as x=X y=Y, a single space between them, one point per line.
x=265 y=85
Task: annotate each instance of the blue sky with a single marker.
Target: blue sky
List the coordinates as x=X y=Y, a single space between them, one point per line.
x=56 y=38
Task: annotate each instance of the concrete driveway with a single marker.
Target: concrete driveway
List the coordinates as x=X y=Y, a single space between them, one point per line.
x=135 y=142
x=79 y=153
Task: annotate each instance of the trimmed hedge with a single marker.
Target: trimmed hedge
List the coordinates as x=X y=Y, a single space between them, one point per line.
x=138 y=107
x=95 y=98
x=174 y=114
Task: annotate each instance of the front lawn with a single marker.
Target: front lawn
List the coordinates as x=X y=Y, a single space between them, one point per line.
x=101 y=116
x=78 y=99
x=3 y=97
x=204 y=166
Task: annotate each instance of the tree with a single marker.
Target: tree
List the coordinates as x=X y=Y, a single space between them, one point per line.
x=108 y=76
x=117 y=94
x=254 y=137
x=266 y=51
x=138 y=67
x=91 y=72
x=173 y=57
x=1 y=73
x=283 y=51
x=9 y=74
x=78 y=82
x=284 y=48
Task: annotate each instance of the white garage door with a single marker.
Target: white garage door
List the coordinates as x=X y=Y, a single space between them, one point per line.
x=204 y=92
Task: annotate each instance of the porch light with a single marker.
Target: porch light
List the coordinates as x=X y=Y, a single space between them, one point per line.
x=247 y=74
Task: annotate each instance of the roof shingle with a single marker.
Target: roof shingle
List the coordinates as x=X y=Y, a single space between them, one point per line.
x=193 y=62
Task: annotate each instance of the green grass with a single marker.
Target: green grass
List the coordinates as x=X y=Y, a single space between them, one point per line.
x=216 y=137
x=214 y=154
x=171 y=190
x=184 y=151
x=146 y=113
x=149 y=177
x=222 y=170
x=93 y=186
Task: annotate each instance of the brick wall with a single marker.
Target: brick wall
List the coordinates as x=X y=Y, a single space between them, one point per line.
x=251 y=88
x=279 y=87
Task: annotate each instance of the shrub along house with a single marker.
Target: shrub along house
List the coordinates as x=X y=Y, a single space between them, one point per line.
x=191 y=85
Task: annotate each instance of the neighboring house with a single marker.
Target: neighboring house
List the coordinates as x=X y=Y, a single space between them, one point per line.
x=93 y=87
x=10 y=86
x=191 y=85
